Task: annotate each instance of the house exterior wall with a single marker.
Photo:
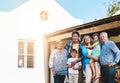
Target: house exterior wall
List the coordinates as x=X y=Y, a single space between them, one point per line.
x=24 y=22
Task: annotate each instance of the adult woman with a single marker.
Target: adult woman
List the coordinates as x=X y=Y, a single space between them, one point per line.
x=58 y=63
x=87 y=41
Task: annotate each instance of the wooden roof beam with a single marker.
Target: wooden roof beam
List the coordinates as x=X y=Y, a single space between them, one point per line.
x=83 y=31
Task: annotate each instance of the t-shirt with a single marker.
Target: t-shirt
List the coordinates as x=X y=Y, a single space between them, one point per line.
x=76 y=46
x=89 y=51
x=96 y=50
x=71 y=70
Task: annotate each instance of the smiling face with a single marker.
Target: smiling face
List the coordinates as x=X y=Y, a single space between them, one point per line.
x=95 y=38
x=75 y=38
x=87 y=39
x=73 y=53
x=103 y=37
x=59 y=45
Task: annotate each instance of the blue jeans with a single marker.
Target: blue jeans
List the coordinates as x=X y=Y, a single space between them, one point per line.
x=59 y=78
x=80 y=79
x=108 y=74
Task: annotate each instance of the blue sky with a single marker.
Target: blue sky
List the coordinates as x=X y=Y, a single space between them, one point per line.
x=88 y=10
x=8 y=5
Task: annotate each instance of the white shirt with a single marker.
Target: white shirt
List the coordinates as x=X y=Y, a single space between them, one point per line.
x=89 y=51
x=71 y=70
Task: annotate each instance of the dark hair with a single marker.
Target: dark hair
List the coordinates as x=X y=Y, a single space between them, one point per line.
x=73 y=50
x=95 y=34
x=75 y=32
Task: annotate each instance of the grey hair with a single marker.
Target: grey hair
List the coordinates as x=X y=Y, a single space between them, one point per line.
x=105 y=33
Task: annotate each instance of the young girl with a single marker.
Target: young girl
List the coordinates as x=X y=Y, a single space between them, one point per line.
x=95 y=53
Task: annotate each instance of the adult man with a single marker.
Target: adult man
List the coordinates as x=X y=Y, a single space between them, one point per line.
x=109 y=57
x=75 y=43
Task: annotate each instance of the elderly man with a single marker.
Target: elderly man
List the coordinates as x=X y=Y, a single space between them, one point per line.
x=109 y=57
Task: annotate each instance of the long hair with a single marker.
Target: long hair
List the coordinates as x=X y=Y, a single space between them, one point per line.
x=83 y=40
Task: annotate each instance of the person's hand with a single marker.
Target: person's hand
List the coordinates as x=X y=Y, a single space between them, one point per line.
x=92 y=57
x=79 y=59
x=111 y=64
x=95 y=58
x=69 y=65
x=72 y=64
x=77 y=68
x=74 y=68
x=53 y=71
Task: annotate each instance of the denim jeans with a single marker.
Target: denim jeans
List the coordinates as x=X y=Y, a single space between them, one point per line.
x=59 y=78
x=80 y=77
x=108 y=74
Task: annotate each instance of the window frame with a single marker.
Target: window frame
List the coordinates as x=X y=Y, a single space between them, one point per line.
x=24 y=53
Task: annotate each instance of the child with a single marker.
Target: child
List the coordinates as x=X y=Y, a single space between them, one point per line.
x=73 y=71
x=95 y=53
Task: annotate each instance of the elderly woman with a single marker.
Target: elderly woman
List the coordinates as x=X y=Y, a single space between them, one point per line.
x=87 y=41
x=58 y=63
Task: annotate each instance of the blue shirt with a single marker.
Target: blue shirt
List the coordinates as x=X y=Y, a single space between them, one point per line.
x=109 y=53
x=86 y=60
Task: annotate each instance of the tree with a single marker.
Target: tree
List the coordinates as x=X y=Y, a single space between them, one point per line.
x=113 y=7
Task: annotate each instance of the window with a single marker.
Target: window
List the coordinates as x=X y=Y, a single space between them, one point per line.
x=44 y=15
x=26 y=54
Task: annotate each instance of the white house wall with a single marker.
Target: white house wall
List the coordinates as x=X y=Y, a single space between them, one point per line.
x=58 y=18
x=8 y=51
x=24 y=23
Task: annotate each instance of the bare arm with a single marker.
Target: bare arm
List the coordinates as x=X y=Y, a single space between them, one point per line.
x=69 y=66
x=74 y=62
x=92 y=46
x=77 y=68
x=53 y=71
x=92 y=57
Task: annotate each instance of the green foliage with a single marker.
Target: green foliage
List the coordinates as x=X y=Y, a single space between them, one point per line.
x=113 y=7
